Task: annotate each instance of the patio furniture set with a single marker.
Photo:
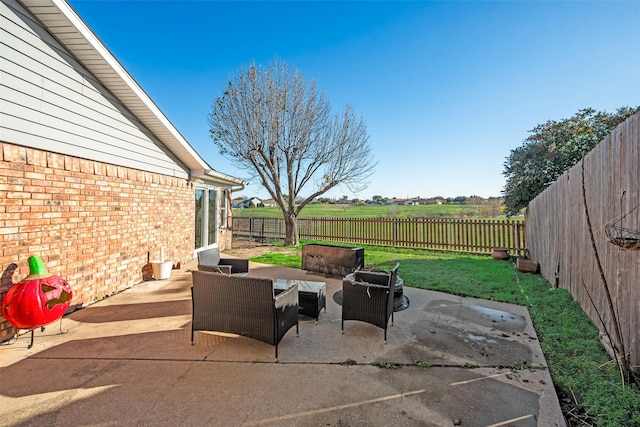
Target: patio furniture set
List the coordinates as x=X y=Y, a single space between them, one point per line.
x=226 y=299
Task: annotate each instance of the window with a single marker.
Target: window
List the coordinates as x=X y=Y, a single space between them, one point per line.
x=206 y=216
x=212 y=226
x=223 y=209
x=199 y=218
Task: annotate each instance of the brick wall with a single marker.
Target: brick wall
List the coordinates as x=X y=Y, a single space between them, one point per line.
x=91 y=223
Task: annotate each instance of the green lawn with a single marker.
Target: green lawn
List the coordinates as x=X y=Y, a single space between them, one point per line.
x=377 y=211
x=578 y=363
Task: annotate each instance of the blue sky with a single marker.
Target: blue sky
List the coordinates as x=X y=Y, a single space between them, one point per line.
x=447 y=88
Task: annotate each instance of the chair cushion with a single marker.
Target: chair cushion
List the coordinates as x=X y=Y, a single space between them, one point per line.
x=226 y=269
x=209 y=257
x=377 y=277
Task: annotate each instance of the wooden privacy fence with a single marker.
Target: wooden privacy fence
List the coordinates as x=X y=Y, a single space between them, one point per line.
x=461 y=235
x=558 y=236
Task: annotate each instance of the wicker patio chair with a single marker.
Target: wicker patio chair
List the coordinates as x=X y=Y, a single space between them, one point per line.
x=209 y=260
x=242 y=305
x=367 y=296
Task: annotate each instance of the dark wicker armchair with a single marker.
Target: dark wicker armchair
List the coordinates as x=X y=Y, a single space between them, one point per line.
x=242 y=305
x=209 y=260
x=367 y=296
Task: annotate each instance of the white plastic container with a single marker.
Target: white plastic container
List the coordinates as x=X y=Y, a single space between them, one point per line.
x=161 y=269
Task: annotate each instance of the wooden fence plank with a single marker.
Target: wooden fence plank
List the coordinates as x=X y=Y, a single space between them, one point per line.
x=558 y=237
x=460 y=235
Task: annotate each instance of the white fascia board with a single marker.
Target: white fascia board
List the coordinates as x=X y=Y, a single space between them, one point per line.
x=213 y=176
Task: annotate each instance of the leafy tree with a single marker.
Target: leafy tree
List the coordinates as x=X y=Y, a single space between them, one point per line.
x=279 y=127
x=460 y=200
x=551 y=149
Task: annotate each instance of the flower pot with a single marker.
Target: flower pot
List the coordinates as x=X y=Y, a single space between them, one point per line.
x=527 y=265
x=500 y=254
x=161 y=269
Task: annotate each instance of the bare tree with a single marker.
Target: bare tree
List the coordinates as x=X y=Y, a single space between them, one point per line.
x=280 y=128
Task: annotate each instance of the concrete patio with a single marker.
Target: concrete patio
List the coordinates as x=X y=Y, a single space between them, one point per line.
x=127 y=360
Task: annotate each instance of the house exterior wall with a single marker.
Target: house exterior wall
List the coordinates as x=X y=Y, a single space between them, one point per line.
x=84 y=184
x=49 y=99
x=92 y=223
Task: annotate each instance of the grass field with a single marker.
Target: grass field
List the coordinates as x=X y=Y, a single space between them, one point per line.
x=376 y=211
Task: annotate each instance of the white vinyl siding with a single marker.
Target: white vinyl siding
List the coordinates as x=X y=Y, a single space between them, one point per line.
x=51 y=102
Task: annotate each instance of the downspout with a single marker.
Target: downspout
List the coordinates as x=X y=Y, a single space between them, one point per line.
x=230 y=198
x=239 y=188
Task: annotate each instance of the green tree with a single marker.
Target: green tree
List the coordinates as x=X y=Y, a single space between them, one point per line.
x=279 y=127
x=380 y=200
x=552 y=148
x=460 y=200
